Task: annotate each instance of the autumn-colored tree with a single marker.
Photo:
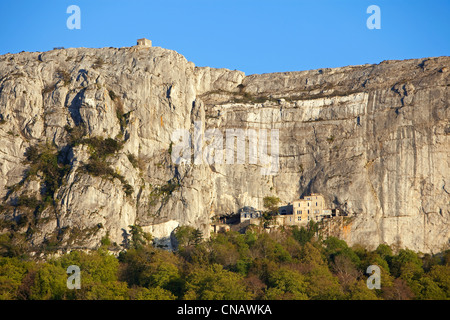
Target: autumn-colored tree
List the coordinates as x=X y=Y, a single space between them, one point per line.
x=399 y=290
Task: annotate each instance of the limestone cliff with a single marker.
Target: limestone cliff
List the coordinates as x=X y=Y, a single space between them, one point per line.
x=87 y=145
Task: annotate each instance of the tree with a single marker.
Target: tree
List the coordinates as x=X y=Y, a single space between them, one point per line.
x=12 y=273
x=255 y=286
x=408 y=266
x=430 y=290
x=163 y=274
x=187 y=236
x=345 y=270
x=322 y=285
x=311 y=256
x=112 y=290
x=359 y=291
x=197 y=236
x=441 y=276
x=50 y=282
x=335 y=247
x=271 y=204
x=368 y=258
x=285 y=283
x=399 y=290
x=139 y=238
x=99 y=274
x=96 y=267
x=139 y=293
x=150 y=267
x=215 y=283
x=384 y=251
x=224 y=253
x=304 y=235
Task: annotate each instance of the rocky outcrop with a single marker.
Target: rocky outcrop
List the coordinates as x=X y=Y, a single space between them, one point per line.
x=88 y=145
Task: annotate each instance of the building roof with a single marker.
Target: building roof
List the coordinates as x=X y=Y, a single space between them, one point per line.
x=247 y=209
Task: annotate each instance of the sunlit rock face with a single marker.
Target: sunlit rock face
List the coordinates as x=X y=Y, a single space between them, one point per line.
x=373 y=139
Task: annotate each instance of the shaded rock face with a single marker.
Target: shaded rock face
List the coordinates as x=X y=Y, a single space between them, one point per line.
x=373 y=139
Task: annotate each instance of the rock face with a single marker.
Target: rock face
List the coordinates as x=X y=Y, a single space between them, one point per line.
x=373 y=139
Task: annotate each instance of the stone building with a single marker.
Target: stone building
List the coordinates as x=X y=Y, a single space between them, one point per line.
x=303 y=210
x=248 y=213
x=219 y=227
x=144 y=42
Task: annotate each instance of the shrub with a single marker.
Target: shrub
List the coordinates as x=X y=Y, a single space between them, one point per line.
x=98 y=168
x=29 y=202
x=163 y=192
x=97 y=165
x=112 y=95
x=75 y=134
x=98 y=63
x=133 y=160
x=64 y=76
x=48 y=88
x=44 y=159
x=101 y=148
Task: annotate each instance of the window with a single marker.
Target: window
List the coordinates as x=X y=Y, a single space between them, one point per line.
x=299 y=219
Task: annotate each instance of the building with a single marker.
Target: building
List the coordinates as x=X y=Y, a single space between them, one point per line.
x=285 y=210
x=219 y=227
x=299 y=212
x=303 y=210
x=144 y=42
x=248 y=213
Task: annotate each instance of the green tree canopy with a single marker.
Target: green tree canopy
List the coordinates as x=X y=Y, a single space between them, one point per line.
x=271 y=204
x=215 y=283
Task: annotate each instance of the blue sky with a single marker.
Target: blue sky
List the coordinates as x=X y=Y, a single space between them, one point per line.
x=253 y=36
